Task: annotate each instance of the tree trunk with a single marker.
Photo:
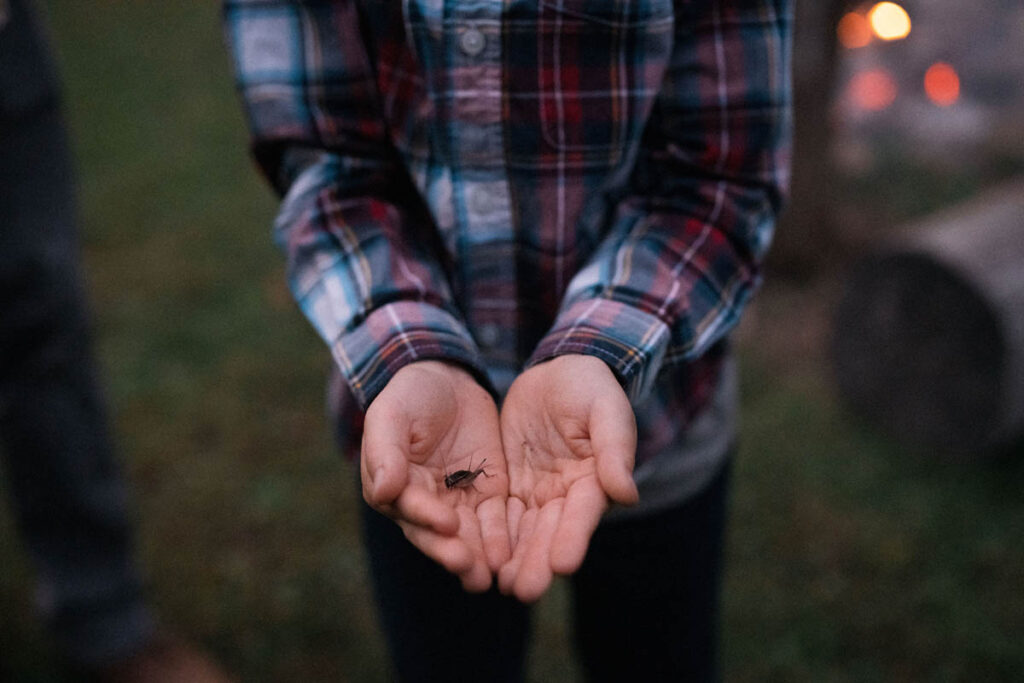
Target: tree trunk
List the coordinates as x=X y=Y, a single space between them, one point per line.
x=806 y=236
x=929 y=334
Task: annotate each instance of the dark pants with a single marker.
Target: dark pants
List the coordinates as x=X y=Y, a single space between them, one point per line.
x=645 y=602
x=67 y=493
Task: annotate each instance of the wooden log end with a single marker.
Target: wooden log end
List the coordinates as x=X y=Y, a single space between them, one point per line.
x=918 y=351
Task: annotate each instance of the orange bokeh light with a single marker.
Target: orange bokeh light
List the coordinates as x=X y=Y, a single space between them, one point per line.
x=854 y=30
x=889 y=21
x=873 y=90
x=942 y=84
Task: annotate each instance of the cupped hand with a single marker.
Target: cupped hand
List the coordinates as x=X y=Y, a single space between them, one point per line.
x=570 y=440
x=430 y=425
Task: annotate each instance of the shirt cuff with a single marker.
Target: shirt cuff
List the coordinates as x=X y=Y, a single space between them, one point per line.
x=631 y=341
x=400 y=333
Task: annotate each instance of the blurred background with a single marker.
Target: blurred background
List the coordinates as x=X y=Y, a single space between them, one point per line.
x=853 y=554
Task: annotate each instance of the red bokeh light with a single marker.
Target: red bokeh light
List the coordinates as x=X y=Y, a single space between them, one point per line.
x=873 y=90
x=942 y=84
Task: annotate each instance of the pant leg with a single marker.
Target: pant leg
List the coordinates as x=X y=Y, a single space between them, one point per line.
x=67 y=493
x=646 y=599
x=434 y=629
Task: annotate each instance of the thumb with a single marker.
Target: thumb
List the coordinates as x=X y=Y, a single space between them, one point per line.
x=613 y=437
x=383 y=465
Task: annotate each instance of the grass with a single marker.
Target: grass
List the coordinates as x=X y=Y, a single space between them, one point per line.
x=850 y=560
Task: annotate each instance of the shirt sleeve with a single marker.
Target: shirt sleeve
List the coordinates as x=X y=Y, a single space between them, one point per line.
x=365 y=261
x=687 y=239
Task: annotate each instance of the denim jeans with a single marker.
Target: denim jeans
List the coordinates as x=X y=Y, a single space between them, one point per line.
x=67 y=492
x=645 y=602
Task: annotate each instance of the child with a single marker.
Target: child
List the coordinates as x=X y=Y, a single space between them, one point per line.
x=558 y=206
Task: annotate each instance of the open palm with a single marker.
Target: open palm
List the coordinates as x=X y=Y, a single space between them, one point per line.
x=570 y=439
x=426 y=439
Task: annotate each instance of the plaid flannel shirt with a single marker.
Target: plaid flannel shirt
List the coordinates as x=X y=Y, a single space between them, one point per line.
x=498 y=182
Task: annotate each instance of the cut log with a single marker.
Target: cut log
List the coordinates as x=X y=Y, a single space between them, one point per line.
x=928 y=337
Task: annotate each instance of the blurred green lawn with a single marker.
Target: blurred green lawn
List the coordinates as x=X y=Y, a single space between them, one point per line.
x=849 y=560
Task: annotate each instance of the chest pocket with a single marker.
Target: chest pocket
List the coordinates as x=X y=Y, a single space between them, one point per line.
x=599 y=65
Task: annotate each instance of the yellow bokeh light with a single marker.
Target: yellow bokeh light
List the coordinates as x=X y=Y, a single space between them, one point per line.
x=889 y=21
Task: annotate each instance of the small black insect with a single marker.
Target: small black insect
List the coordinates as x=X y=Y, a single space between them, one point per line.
x=463 y=478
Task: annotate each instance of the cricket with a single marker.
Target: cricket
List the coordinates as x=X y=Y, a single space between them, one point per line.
x=465 y=478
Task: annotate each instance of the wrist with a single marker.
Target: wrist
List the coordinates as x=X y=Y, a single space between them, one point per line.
x=577 y=367
x=632 y=342
x=452 y=373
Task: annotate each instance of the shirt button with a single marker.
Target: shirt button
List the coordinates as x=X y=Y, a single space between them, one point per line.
x=489 y=335
x=480 y=202
x=475 y=140
x=472 y=42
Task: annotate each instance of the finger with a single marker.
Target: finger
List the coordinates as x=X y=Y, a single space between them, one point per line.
x=514 y=509
x=423 y=508
x=584 y=504
x=450 y=552
x=613 y=436
x=535 y=573
x=469 y=531
x=494 y=531
x=478 y=577
x=510 y=570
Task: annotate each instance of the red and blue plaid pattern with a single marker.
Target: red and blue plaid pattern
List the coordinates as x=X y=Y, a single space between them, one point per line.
x=499 y=182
